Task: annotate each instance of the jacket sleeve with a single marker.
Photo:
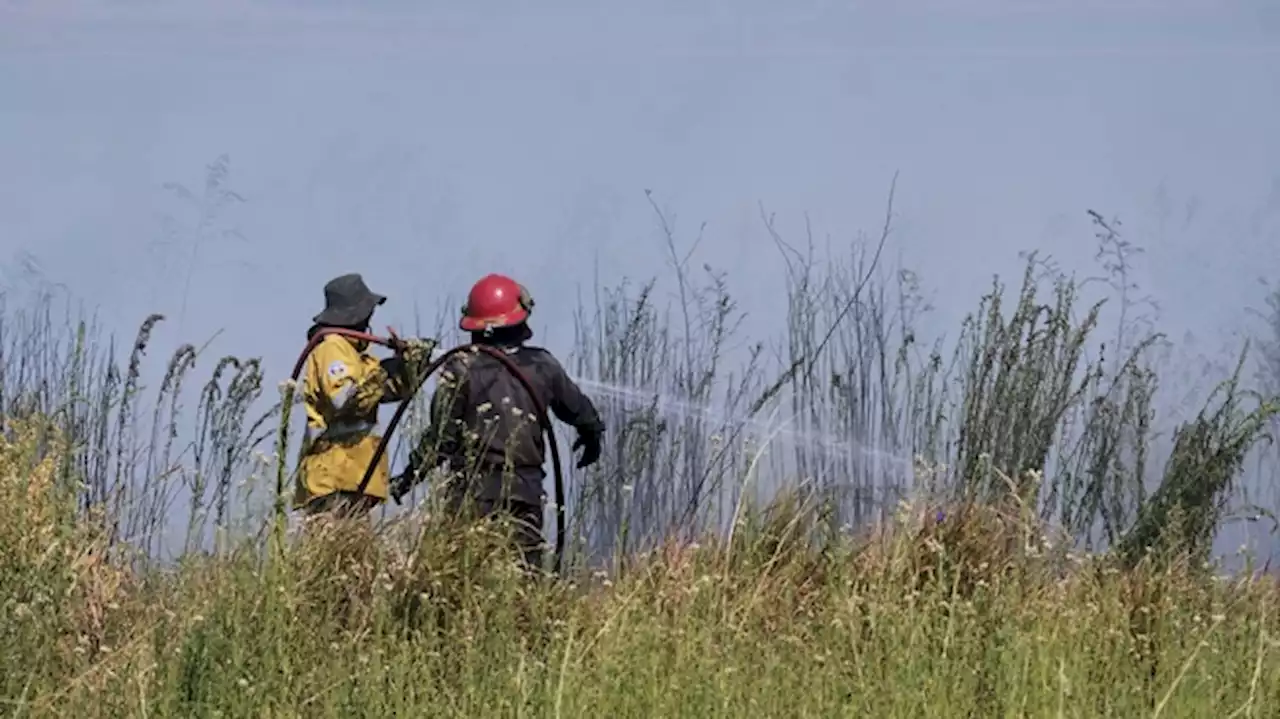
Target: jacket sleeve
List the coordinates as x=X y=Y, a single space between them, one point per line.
x=353 y=388
x=404 y=371
x=567 y=401
x=397 y=384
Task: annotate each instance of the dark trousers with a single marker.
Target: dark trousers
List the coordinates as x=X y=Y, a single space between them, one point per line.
x=525 y=520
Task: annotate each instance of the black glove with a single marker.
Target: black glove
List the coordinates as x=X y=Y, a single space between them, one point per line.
x=403 y=483
x=589 y=442
x=415 y=472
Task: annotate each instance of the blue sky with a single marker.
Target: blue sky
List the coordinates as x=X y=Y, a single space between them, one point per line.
x=425 y=144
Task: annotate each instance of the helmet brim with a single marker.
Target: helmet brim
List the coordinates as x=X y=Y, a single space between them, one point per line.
x=480 y=324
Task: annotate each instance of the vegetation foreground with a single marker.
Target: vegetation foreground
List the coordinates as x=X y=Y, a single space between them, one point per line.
x=1053 y=561
x=975 y=613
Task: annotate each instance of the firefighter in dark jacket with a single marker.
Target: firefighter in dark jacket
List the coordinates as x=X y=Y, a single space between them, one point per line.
x=484 y=431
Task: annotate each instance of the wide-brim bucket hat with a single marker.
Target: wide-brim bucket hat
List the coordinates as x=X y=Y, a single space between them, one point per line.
x=348 y=302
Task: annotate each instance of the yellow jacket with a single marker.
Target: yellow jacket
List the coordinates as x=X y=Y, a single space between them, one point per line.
x=342 y=387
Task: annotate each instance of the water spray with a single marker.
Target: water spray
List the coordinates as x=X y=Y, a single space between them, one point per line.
x=685 y=408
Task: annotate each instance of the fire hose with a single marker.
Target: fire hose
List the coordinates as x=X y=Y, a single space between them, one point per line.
x=395 y=343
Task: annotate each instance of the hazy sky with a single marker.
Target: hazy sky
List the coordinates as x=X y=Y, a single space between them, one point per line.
x=425 y=144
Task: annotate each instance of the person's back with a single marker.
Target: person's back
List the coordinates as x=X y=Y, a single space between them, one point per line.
x=484 y=425
x=342 y=387
x=341 y=437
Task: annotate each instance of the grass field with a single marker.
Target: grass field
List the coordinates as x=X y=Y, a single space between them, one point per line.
x=1049 y=557
x=979 y=615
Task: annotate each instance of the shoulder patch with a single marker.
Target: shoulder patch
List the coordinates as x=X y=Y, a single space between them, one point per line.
x=337 y=369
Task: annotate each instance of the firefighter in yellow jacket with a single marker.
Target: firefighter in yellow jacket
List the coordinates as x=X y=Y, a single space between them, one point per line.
x=343 y=386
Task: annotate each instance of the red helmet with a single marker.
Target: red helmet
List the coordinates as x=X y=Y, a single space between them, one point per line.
x=495 y=301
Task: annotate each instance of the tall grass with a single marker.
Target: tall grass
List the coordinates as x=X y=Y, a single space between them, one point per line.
x=1035 y=388
x=856 y=398
x=846 y=517
x=121 y=465
x=982 y=614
